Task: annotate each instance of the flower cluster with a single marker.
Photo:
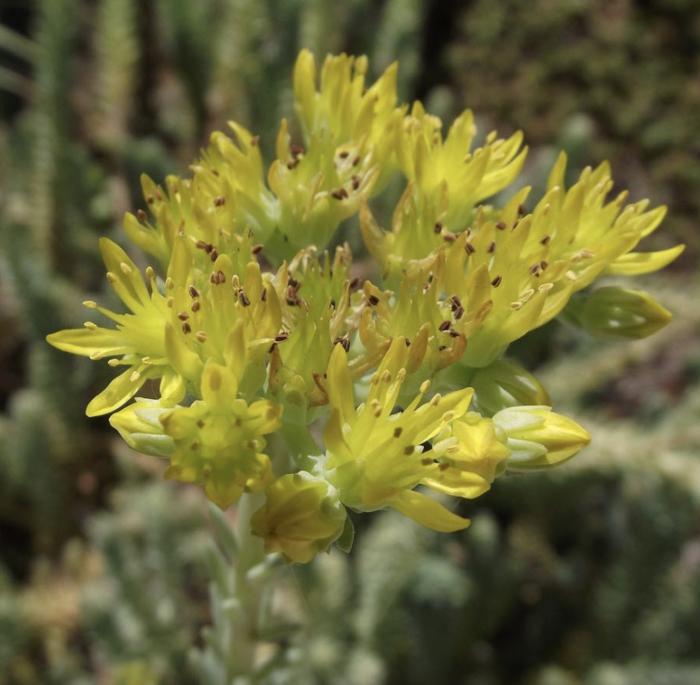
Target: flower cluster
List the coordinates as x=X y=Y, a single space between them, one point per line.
x=283 y=371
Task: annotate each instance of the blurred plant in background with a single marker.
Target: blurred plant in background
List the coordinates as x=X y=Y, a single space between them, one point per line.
x=102 y=91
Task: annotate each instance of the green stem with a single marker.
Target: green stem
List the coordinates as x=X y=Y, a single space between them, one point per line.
x=241 y=581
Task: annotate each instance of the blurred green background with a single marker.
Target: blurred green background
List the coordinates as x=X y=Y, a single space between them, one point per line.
x=588 y=575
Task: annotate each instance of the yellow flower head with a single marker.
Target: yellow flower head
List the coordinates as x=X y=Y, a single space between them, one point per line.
x=322 y=383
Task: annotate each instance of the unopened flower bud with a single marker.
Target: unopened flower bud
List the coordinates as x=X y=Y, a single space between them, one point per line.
x=617 y=313
x=537 y=437
x=140 y=427
x=301 y=517
x=505 y=383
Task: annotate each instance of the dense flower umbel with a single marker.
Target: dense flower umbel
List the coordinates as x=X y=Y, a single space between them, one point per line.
x=261 y=341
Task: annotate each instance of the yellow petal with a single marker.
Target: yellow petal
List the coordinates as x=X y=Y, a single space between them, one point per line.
x=340 y=392
x=428 y=512
x=637 y=263
x=124 y=275
x=120 y=390
x=89 y=342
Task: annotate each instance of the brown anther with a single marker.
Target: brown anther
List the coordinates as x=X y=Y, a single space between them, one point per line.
x=296 y=150
x=397 y=431
x=243 y=298
x=444 y=466
x=438 y=227
x=254 y=141
x=469 y=248
x=292 y=301
x=544 y=264
x=141 y=215
x=200 y=424
x=292 y=282
x=458 y=312
x=501 y=225
x=449 y=237
x=186 y=328
x=426 y=461
x=496 y=281
x=355 y=182
x=195 y=306
x=281 y=337
x=344 y=154
x=356 y=161
x=373 y=300
x=292 y=163
x=340 y=194
x=445 y=326
x=453 y=334
x=263 y=295
x=150 y=199
x=455 y=302
x=213 y=255
x=193 y=291
x=202 y=245
x=521 y=209
x=354 y=284
x=219 y=201
x=343 y=341
x=545 y=240
x=442 y=348
x=491 y=248
x=408 y=449
x=183 y=316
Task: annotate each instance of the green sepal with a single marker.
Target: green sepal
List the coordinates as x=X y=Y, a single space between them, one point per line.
x=347 y=537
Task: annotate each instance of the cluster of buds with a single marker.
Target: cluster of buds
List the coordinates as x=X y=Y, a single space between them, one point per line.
x=283 y=371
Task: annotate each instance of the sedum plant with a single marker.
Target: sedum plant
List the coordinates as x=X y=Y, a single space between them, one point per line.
x=273 y=371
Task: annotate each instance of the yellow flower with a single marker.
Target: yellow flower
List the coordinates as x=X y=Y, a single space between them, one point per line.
x=301 y=517
x=316 y=296
x=376 y=456
x=536 y=437
x=448 y=166
x=138 y=340
x=216 y=441
x=362 y=121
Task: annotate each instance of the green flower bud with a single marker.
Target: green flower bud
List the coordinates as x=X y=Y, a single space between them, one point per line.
x=503 y=384
x=617 y=313
x=537 y=437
